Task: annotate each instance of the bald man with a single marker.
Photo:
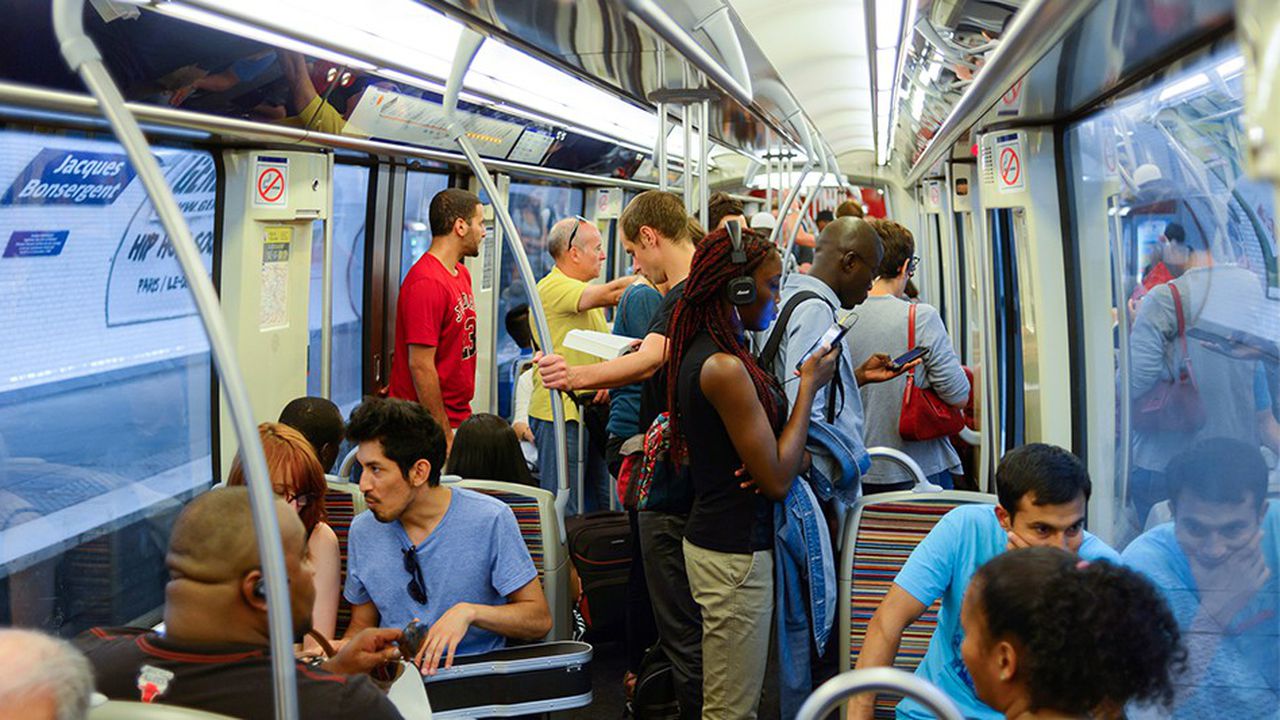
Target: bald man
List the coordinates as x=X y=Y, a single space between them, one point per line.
x=572 y=302
x=214 y=654
x=42 y=678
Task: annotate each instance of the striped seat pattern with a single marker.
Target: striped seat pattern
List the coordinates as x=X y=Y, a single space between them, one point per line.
x=342 y=503
x=886 y=535
x=529 y=519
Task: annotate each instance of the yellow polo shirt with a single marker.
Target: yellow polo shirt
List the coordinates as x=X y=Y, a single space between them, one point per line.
x=560 y=295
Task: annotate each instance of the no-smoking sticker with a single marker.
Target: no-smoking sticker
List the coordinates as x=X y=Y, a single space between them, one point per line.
x=1009 y=173
x=271 y=182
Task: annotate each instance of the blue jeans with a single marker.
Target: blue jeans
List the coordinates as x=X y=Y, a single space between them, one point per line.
x=596 y=481
x=944 y=479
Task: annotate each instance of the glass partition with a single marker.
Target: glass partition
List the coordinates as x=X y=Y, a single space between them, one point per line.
x=350 y=209
x=1182 y=317
x=104 y=379
x=420 y=187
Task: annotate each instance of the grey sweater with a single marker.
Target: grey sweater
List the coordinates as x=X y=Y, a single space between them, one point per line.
x=882 y=327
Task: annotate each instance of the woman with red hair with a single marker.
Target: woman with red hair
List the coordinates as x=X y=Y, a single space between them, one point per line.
x=296 y=477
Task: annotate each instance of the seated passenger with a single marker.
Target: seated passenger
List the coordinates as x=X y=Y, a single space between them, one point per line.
x=449 y=557
x=1216 y=564
x=42 y=677
x=486 y=448
x=1048 y=635
x=297 y=478
x=320 y=422
x=1043 y=491
x=214 y=654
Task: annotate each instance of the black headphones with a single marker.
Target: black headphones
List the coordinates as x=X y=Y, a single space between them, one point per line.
x=741 y=290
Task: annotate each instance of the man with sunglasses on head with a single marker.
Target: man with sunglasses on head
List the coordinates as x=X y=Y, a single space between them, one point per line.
x=448 y=557
x=572 y=302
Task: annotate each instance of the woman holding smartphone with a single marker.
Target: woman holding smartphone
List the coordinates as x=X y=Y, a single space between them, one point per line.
x=727 y=414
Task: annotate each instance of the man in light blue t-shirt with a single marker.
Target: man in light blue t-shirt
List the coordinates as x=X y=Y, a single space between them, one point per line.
x=449 y=557
x=1042 y=491
x=1216 y=566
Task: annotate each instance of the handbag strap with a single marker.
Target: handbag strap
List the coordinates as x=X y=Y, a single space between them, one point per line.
x=911 y=340
x=1182 y=324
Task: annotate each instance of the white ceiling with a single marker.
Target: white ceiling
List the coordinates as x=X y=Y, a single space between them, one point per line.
x=819 y=48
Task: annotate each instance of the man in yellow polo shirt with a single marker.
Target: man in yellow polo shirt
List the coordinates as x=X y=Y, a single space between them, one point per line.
x=572 y=303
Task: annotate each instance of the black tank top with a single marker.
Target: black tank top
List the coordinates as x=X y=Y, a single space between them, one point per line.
x=725 y=517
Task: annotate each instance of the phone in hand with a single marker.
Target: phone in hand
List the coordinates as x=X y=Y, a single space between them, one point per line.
x=831 y=338
x=909 y=356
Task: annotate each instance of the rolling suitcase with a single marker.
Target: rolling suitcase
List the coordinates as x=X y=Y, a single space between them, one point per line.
x=600 y=547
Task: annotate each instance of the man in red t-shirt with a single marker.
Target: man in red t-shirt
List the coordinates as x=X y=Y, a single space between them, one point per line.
x=435 y=352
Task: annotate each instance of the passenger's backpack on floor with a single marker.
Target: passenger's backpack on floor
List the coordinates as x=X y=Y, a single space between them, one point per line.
x=655 y=696
x=600 y=547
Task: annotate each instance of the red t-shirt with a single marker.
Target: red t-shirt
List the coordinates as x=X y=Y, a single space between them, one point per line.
x=437 y=309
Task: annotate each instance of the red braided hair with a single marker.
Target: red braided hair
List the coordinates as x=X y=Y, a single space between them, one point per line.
x=705 y=306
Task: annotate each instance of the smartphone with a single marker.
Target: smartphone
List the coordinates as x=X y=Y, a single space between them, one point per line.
x=909 y=356
x=830 y=338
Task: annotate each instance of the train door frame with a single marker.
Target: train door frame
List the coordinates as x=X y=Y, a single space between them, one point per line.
x=383 y=281
x=486 y=268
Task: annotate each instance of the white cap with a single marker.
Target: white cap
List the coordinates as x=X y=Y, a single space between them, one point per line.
x=763 y=221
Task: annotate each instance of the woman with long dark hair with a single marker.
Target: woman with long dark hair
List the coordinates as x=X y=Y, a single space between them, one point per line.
x=729 y=414
x=486 y=448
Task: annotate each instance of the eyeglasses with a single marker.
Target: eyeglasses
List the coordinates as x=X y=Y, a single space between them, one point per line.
x=574 y=233
x=417 y=586
x=912 y=264
x=301 y=499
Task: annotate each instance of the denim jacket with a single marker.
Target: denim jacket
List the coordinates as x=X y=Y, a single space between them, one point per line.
x=804 y=588
x=839 y=462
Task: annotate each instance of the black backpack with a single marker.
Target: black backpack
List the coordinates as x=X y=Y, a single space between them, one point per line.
x=655 y=695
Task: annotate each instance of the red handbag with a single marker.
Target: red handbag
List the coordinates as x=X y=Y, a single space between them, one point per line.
x=925 y=416
x=1173 y=405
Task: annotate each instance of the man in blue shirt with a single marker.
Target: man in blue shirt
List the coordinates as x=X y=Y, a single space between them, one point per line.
x=1042 y=491
x=450 y=557
x=1216 y=566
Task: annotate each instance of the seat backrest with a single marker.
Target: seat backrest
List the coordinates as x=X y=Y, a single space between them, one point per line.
x=342 y=502
x=535 y=513
x=882 y=531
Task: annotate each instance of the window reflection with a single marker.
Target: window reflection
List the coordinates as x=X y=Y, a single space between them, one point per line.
x=420 y=187
x=1195 y=306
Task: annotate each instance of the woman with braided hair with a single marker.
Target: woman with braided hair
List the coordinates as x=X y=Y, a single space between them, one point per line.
x=727 y=415
x=1047 y=635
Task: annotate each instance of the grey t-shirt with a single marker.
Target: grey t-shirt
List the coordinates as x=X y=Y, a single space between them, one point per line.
x=882 y=328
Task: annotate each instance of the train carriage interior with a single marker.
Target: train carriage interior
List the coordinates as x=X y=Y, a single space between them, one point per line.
x=462 y=231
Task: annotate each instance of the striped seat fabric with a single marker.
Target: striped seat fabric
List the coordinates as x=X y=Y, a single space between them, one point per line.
x=885 y=535
x=528 y=518
x=342 y=503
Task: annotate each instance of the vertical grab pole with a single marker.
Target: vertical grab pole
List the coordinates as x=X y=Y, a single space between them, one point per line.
x=468 y=45
x=687 y=127
x=810 y=161
x=704 y=169
x=795 y=229
x=83 y=58
x=326 y=296
x=660 y=150
x=1124 y=360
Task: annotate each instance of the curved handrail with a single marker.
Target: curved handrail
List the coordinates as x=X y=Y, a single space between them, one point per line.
x=830 y=694
x=804 y=210
x=348 y=462
x=651 y=14
x=908 y=463
x=468 y=44
x=83 y=58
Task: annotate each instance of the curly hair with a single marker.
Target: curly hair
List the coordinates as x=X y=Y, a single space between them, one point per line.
x=703 y=306
x=1088 y=634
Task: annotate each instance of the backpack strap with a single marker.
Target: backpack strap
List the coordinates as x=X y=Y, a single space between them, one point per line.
x=771 y=346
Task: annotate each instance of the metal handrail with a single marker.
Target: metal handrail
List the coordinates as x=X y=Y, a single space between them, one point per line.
x=83 y=58
x=835 y=691
x=60 y=101
x=468 y=45
x=906 y=462
x=787 y=266
x=656 y=19
x=1035 y=30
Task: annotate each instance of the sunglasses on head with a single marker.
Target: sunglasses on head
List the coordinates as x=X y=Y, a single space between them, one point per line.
x=417 y=586
x=574 y=233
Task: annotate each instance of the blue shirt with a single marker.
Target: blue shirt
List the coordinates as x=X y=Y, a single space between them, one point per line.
x=636 y=309
x=940 y=567
x=1241 y=673
x=475 y=554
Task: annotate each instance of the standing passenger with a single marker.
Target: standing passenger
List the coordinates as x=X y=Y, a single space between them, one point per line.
x=882 y=326
x=572 y=302
x=722 y=208
x=435 y=346
x=849 y=208
x=727 y=413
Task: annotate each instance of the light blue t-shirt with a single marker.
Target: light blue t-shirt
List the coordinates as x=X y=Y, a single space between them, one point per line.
x=940 y=567
x=1243 y=674
x=475 y=554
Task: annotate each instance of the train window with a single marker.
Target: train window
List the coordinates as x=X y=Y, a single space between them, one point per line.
x=1181 y=339
x=104 y=379
x=534 y=209
x=420 y=187
x=350 y=209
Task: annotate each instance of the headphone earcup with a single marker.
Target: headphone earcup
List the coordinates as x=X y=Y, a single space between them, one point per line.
x=741 y=290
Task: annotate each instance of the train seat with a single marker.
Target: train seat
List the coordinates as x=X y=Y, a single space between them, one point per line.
x=535 y=513
x=122 y=710
x=881 y=532
x=342 y=502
